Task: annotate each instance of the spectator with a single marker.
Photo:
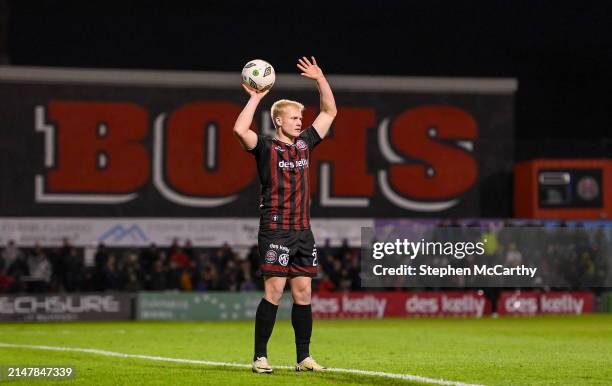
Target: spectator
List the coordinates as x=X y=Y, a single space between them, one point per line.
x=132 y=273
x=100 y=259
x=336 y=272
x=173 y=276
x=17 y=270
x=253 y=258
x=174 y=246
x=185 y=279
x=57 y=269
x=111 y=275
x=325 y=284
x=208 y=279
x=6 y=283
x=248 y=284
x=148 y=256
x=40 y=271
x=188 y=249
x=514 y=257
x=73 y=266
x=10 y=254
x=180 y=259
x=344 y=248
x=232 y=278
x=158 y=277
x=222 y=257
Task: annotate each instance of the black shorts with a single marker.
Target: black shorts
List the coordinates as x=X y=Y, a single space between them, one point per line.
x=287 y=253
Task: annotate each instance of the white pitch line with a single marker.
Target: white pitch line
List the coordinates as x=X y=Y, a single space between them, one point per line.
x=407 y=377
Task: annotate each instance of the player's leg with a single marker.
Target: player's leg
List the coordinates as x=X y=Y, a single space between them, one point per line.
x=265 y=317
x=301 y=315
x=301 y=319
x=273 y=263
x=302 y=269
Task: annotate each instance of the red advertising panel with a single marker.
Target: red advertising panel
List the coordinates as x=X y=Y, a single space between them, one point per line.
x=389 y=304
x=563 y=188
x=518 y=303
x=575 y=303
x=528 y=303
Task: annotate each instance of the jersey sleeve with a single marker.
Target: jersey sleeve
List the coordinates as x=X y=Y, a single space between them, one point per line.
x=260 y=147
x=311 y=136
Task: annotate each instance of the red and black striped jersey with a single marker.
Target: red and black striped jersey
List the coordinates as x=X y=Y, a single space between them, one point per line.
x=283 y=174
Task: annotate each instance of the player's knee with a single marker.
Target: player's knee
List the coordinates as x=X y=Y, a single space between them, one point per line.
x=302 y=295
x=274 y=293
x=277 y=295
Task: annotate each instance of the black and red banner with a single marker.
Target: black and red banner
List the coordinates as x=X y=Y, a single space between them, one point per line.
x=138 y=144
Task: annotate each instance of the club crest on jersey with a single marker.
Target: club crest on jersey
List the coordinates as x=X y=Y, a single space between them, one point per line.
x=283 y=259
x=270 y=256
x=300 y=144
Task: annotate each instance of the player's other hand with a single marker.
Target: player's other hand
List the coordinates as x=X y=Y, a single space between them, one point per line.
x=254 y=93
x=310 y=69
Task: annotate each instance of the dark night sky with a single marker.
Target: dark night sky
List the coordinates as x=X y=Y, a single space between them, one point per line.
x=561 y=54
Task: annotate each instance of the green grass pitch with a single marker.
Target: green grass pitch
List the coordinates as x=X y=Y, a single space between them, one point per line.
x=565 y=350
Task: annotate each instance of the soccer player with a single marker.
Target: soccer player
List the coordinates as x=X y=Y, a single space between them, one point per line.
x=286 y=243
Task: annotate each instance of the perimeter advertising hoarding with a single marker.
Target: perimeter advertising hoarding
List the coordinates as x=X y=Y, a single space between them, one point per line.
x=64 y=308
x=390 y=304
x=133 y=144
x=529 y=303
x=236 y=306
x=203 y=306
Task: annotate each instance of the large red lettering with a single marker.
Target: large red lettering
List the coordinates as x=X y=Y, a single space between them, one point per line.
x=346 y=151
x=98 y=147
x=447 y=170
x=187 y=160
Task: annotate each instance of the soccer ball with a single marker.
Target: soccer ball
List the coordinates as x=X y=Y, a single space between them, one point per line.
x=258 y=75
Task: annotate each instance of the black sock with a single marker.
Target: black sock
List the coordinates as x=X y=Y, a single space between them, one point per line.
x=301 y=319
x=264 y=323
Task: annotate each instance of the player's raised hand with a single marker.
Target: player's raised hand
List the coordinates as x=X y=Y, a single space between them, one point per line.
x=255 y=93
x=310 y=69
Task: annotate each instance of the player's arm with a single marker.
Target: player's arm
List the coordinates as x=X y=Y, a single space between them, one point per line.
x=242 y=127
x=328 y=109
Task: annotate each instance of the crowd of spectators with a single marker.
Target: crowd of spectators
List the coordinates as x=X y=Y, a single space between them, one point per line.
x=575 y=257
x=179 y=267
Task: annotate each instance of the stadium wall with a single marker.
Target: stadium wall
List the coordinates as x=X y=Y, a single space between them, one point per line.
x=242 y=305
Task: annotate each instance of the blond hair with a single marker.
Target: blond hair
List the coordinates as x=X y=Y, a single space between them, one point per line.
x=280 y=106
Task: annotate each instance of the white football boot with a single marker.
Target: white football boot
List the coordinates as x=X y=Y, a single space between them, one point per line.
x=309 y=364
x=261 y=366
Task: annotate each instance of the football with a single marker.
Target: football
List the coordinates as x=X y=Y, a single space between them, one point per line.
x=258 y=75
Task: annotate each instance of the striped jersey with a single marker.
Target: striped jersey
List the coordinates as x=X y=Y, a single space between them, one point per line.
x=283 y=174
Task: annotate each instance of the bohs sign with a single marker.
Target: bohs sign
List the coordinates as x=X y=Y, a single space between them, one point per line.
x=137 y=145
